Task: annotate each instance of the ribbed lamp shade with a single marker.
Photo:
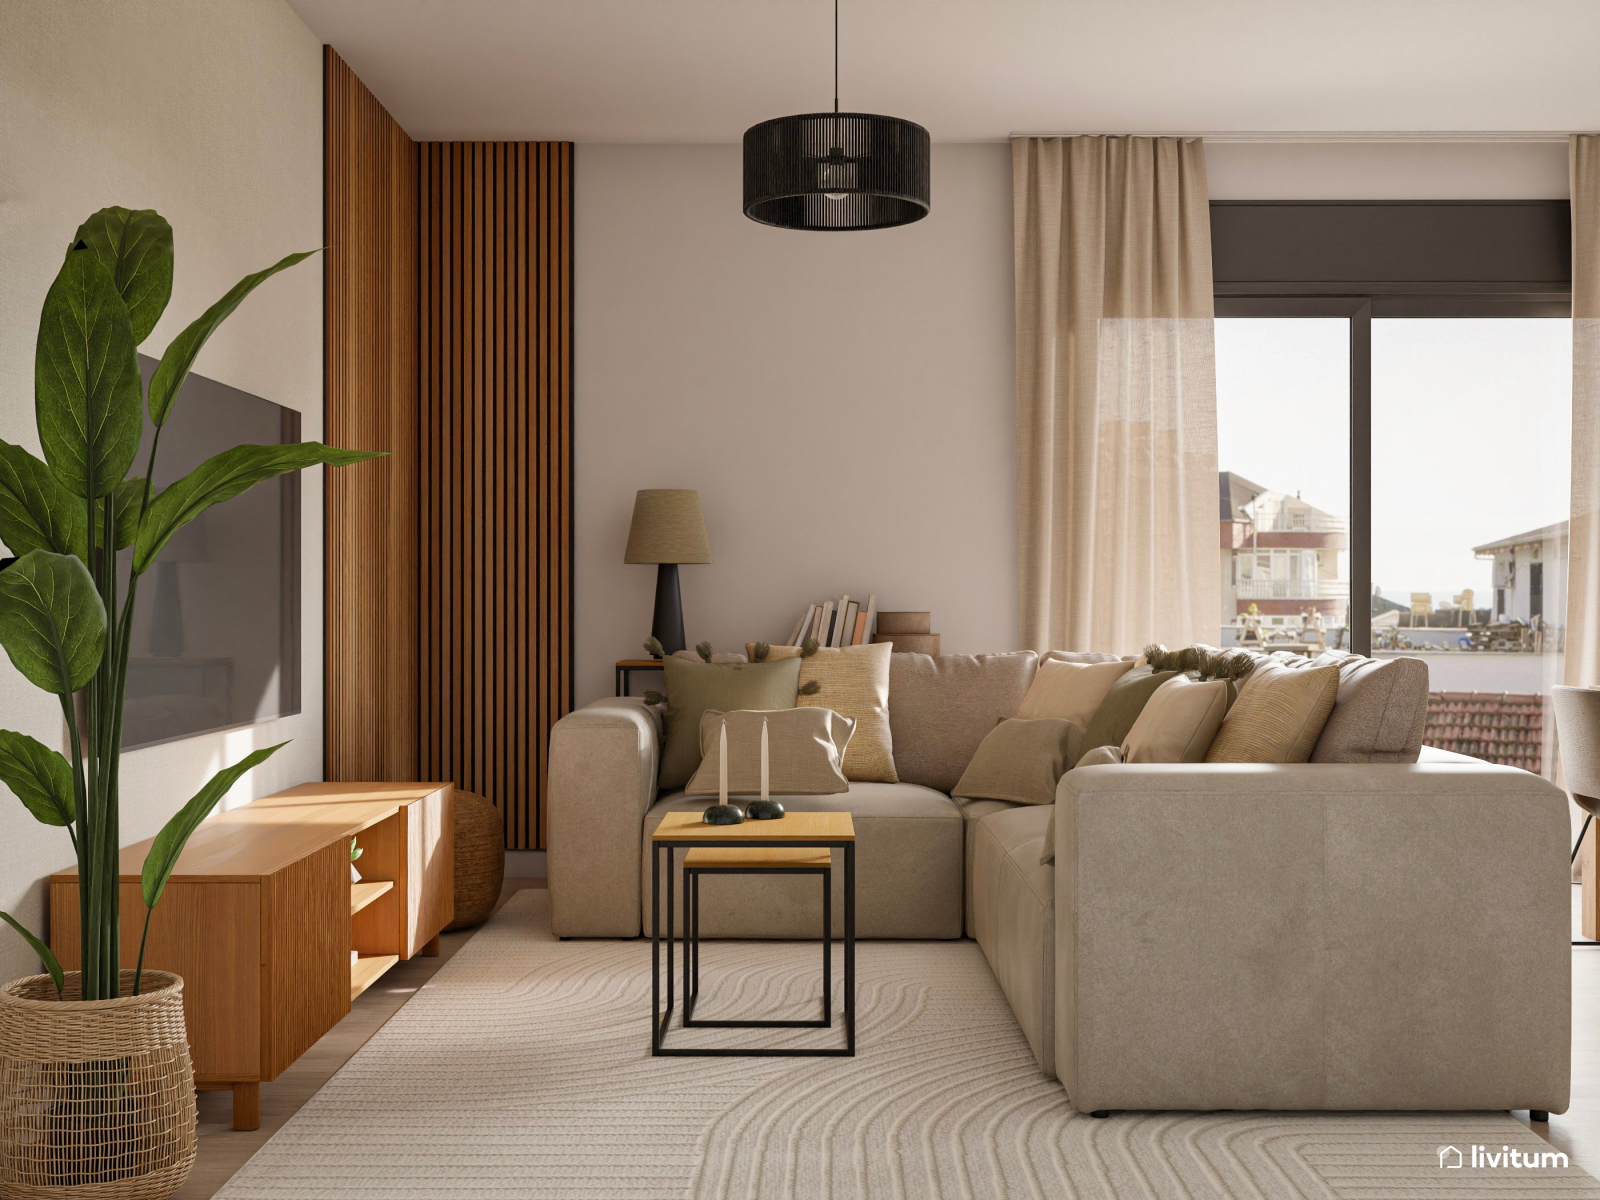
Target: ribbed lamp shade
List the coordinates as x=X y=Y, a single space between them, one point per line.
x=836 y=171
x=668 y=527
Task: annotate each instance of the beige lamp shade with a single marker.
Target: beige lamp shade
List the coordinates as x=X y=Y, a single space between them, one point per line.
x=668 y=527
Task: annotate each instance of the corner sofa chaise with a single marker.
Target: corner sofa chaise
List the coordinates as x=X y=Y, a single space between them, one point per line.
x=1383 y=927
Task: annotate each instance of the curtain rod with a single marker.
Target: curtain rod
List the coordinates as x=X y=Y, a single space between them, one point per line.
x=1497 y=135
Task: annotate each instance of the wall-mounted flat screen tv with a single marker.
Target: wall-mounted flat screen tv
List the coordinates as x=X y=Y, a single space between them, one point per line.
x=216 y=636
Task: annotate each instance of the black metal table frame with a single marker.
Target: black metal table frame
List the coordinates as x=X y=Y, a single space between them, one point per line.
x=660 y=1020
x=625 y=676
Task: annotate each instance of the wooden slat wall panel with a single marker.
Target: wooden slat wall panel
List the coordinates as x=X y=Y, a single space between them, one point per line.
x=370 y=368
x=495 y=345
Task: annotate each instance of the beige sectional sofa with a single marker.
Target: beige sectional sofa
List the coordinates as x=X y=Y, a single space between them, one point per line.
x=1378 y=934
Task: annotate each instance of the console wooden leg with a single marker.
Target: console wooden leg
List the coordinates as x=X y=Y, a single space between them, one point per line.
x=431 y=948
x=247 y=1106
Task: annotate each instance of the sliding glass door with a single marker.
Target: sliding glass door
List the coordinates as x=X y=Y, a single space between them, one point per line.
x=1471 y=473
x=1283 y=488
x=1398 y=484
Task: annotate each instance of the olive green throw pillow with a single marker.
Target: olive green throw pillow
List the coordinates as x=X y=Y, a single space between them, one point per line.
x=1122 y=706
x=693 y=687
x=1020 y=761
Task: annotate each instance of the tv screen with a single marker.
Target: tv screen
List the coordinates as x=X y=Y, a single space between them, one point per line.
x=216 y=633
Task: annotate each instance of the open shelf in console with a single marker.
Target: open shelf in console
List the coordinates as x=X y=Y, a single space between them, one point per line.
x=365 y=892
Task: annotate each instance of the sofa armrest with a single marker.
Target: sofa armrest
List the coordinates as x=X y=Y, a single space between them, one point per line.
x=1339 y=936
x=603 y=763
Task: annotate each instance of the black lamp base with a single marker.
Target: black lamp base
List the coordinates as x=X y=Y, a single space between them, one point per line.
x=667 y=628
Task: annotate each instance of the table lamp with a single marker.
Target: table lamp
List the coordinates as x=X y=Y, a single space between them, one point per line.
x=668 y=528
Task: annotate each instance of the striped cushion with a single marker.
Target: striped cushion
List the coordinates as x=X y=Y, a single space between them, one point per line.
x=1278 y=717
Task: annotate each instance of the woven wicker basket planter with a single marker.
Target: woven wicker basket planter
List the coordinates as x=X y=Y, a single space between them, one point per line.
x=97 y=1096
x=480 y=859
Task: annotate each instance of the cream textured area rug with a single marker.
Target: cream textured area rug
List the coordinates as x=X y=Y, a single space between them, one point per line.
x=523 y=1070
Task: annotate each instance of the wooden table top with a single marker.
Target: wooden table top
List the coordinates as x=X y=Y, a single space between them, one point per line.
x=791 y=827
x=745 y=857
x=266 y=835
x=639 y=664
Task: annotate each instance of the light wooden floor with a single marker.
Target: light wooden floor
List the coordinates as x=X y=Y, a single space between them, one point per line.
x=223 y=1151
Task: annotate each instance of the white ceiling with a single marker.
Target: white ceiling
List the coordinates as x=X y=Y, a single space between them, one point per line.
x=970 y=70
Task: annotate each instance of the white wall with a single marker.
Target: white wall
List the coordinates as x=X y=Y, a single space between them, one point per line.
x=211 y=114
x=1386 y=170
x=843 y=402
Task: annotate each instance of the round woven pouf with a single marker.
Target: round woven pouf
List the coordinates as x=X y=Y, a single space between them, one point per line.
x=480 y=859
x=96 y=1096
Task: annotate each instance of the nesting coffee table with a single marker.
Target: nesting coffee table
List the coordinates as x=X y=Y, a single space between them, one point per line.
x=797 y=843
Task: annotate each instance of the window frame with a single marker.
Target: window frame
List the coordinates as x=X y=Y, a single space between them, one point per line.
x=1464 y=269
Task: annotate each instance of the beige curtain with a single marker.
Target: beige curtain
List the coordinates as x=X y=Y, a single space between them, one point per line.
x=1583 y=578
x=1117 y=525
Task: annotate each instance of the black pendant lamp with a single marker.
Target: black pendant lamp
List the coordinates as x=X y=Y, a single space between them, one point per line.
x=836 y=171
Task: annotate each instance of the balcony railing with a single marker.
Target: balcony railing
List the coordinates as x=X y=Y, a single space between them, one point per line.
x=1292 y=589
x=1288 y=522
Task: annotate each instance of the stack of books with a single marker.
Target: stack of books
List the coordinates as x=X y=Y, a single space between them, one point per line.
x=844 y=622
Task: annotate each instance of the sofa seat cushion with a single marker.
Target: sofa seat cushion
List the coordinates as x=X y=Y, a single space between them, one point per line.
x=908 y=871
x=1014 y=912
x=973 y=811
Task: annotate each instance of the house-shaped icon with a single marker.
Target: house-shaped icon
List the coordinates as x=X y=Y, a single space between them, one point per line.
x=1449 y=1157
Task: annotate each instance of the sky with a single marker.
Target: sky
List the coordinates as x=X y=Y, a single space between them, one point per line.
x=1471 y=423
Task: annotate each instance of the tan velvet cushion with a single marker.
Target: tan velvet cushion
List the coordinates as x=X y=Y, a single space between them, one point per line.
x=1278 y=717
x=854 y=682
x=943 y=707
x=1178 y=722
x=1380 y=713
x=1122 y=706
x=804 y=750
x=1070 y=691
x=1020 y=761
x=693 y=687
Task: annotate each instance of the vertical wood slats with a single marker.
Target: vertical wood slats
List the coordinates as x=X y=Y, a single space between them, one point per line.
x=370 y=384
x=495 y=558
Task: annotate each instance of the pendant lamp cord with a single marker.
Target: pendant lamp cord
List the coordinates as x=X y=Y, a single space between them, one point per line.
x=835 y=57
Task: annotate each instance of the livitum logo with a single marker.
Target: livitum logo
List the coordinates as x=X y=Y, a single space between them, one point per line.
x=1509 y=1157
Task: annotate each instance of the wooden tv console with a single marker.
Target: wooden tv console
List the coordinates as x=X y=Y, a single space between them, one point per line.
x=260 y=918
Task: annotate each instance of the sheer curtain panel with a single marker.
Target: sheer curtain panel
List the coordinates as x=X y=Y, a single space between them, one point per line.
x=1116 y=394
x=1583 y=579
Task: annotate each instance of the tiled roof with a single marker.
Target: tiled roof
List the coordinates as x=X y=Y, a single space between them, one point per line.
x=1499 y=727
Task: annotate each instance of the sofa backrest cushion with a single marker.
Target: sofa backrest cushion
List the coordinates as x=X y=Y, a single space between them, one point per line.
x=941 y=708
x=1380 y=713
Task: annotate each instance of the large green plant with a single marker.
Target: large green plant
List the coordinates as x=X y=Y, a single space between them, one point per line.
x=61 y=620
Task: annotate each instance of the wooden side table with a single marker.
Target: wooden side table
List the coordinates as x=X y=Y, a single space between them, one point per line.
x=795 y=844
x=627 y=666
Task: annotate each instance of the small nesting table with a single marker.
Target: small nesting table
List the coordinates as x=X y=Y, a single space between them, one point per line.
x=795 y=844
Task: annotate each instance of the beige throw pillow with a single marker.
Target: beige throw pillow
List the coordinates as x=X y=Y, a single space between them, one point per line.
x=1279 y=715
x=804 y=749
x=1178 y=722
x=1070 y=691
x=854 y=682
x=1020 y=761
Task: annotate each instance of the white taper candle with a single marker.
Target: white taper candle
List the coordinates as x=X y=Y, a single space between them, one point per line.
x=763 y=758
x=722 y=772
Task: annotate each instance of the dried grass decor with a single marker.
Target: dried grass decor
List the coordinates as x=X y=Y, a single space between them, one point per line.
x=96 y=1096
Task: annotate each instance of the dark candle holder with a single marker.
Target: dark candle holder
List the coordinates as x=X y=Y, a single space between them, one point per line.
x=724 y=814
x=763 y=810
